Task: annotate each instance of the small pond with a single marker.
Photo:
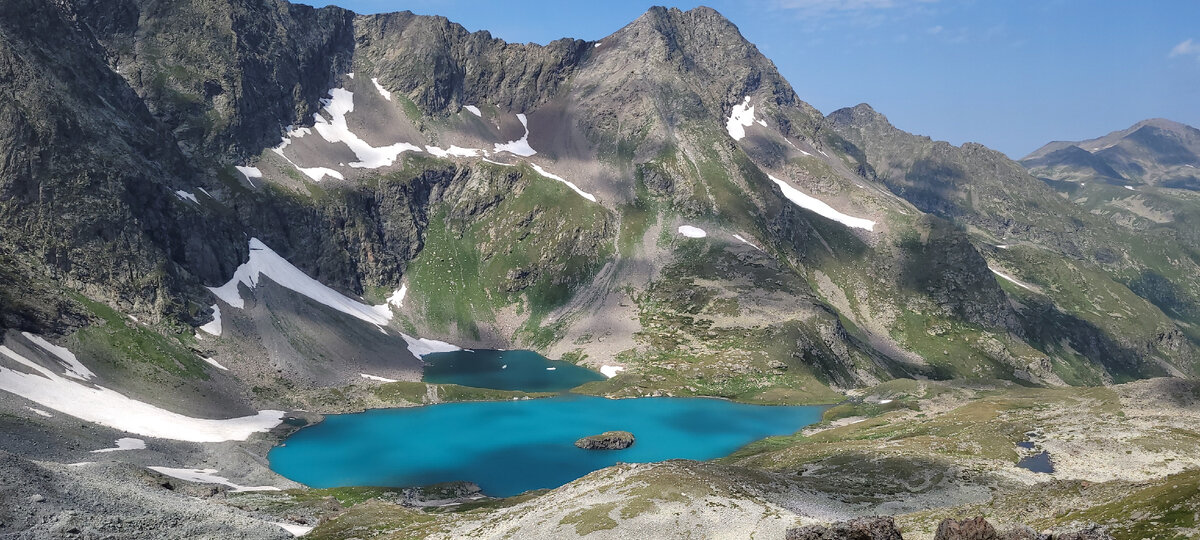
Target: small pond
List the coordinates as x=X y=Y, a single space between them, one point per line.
x=508 y=447
x=505 y=370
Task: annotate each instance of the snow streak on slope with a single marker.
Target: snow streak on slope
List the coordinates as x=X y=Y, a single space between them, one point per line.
x=214 y=326
x=208 y=476
x=75 y=368
x=111 y=408
x=474 y=110
x=340 y=103
x=573 y=187
x=124 y=443
x=265 y=262
x=692 y=232
x=739 y=119
x=521 y=146
x=819 y=207
x=382 y=91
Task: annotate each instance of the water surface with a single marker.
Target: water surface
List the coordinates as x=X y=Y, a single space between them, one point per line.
x=508 y=447
x=505 y=370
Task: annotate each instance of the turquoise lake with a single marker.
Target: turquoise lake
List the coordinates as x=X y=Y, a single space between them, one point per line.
x=505 y=370
x=508 y=447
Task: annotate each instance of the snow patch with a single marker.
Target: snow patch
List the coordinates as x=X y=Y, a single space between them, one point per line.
x=452 y=151
x=382 y=91
x=335 y=130
x=296 y=530
x=573 y=187
x=124 y=443
x=1130 y=188
x=739 y=119
x=207 y=476
x=214 y=363
x=75 y=368
x=351 y=74
x=107 y=407
x=40 y=412
x=397 y=297
x=264 y=261
x=252 y=172
x=747 y=242
x=474 y=110
x=186 y=196
x=692 y=232
x=497 y=162
x=1011 y=279
x=214 y=326
x=819 y=207
x=521 y=146
x=376 y=378
x=420 y=347
x=611 y=371
x=884 y=401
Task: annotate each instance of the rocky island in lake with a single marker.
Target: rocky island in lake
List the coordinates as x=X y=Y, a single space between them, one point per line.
x=609 y=440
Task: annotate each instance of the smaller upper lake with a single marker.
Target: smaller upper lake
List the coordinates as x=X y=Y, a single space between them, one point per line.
x=526 y=371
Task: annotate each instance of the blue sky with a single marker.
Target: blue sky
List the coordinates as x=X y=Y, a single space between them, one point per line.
x=1011 y=74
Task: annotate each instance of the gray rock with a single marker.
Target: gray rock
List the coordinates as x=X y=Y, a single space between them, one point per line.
x=609 y=440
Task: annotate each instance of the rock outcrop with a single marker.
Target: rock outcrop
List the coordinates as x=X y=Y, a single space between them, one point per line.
x=609 y=440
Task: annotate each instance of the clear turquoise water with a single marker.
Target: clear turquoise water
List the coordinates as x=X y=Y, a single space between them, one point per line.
x=508 y=447
x=505 y=370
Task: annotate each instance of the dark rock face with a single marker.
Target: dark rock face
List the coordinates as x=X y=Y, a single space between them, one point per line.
x=609 y=440
x=870 y=528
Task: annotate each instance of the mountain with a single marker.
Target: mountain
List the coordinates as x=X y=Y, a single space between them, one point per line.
x=221 y=219
x=1155 y=152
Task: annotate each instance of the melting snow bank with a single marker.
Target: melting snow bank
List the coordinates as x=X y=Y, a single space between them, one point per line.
x=819 y=207
x=340 y=103
x=611 y=371
x=215 y=364
x=739 y=119
x=214 y=326
x=75 y=368
x=207 y=476
x=382 y=91
x=692 y=232
x=455 y=151
x=40 y=412
x=264 y=261
x=376 y=378
x=421 y=346
x=124 y=443
x=296 y=530
x=186 y=196
x=115 y=410
x=1011 y=279
x=252 y=172
x=573 y=187
x=521 y=146
x=474 y=110
x=747 y=242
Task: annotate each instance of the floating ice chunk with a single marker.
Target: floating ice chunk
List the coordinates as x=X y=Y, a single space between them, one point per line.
x=551 y=368
x=452 y=151
x=103 y=406
x=819 y=207
x=207 y=476
x=573 y=187
x=335 y=130
x=124 y=443
x=397 y=297
x=474 y=110
x=212 y=362
x=186 y=196
x=75 y=368
x=382 y=91
x=214 y=326
x=739 y=119
x=521 y=146
x=264 y=261
x=376 y=378
x=611 y=371
x=692 y=232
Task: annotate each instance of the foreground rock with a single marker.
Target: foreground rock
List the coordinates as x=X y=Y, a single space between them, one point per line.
x=609 y=440
x=884 y=528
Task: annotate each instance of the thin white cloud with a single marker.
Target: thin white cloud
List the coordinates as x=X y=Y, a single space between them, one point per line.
x=1186 y=47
